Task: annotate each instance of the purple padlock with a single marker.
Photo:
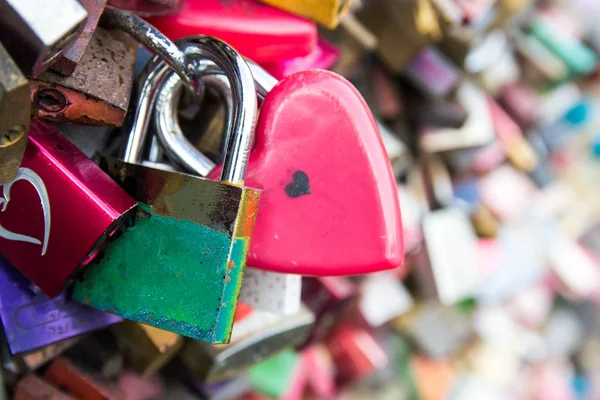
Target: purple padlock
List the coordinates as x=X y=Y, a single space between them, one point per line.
x=31 y=320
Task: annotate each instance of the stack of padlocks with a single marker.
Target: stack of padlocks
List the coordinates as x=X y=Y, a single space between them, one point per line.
x=193 y=207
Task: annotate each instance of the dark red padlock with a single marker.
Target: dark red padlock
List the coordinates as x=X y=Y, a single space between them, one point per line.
x=260 y=32
x=355 y=352
x=57 y=212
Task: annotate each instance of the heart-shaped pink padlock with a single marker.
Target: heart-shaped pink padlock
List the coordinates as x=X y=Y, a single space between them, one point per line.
x=329 y=202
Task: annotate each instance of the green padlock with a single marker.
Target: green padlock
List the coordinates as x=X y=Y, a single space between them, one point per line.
x=178 y=265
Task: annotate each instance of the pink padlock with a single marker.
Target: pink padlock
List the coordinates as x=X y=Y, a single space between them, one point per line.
x=58 y=211
x=329 y=204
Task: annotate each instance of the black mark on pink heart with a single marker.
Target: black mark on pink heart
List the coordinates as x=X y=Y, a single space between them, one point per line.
x=299 y=186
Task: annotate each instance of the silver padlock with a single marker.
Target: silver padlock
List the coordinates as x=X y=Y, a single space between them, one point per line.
x=36 y=32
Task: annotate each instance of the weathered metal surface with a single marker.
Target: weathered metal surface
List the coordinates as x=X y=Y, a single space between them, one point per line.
x=98 y=91
x=179 y=265
x=67 y=61
x=14 y=116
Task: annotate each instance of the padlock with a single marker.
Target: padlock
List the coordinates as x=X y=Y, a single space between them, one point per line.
x=149 y=8
x=31 y=320
x=33 y=388
x=14 y=116
x=329 y=298
x=518 y=150
x=137 y=387
x=271 y=291
x=327 y=13
x=541 y=61
x=36 y=32
x=279 y=376
x=432 y=72
x=37 y=359
x=64 y=374
x=98 y=351
x=456 y=277
x=521 y=102
x=65 y=64
x=415 y=21
x=147 y=349
x=355 y=352
x=382 y=298
x=97 y=92
x=436 y=329
x=42 y=232
x=288 y=222
x=202 y=269
x=477 y=130
x=323 y=56
x=259 y=32
x=255 y=338
x=579 y=58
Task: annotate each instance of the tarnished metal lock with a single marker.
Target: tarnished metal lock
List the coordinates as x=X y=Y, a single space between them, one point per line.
x=190 y=239
x=254 y=338
x=67 y=61
x=98 y=89
x=326 y=12
x=149 y=8
x=14 y=116
x=36 y=32
x=147 y=349
x=56 y=190
x=289 y=168
x=259 y=32
x=32 y=320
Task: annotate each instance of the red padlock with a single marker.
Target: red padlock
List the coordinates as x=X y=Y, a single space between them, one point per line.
x=322 y=57
x=59 y=209
x=258 y=31
x=329 y=203
x=355 y=352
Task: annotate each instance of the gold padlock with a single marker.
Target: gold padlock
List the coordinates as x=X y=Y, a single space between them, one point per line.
x=14 y=116
x=415 y=22
x=147 y=348
x=326 y=12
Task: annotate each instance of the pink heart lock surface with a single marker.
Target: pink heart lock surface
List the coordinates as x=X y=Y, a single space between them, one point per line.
x=329 y=204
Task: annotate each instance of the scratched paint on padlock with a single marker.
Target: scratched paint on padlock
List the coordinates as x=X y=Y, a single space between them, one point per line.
x=141 y=279
x=33 y=320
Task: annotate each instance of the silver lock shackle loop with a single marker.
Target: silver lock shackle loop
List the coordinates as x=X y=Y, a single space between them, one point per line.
x=243 y=117
x=177 y=146
x=244 y=105
x=157 y=42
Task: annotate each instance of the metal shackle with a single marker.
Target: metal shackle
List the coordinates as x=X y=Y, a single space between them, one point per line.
x=157 y=42
x=167 y=126
x=224 y=68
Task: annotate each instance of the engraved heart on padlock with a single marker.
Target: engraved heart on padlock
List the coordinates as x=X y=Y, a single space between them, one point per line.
x=316 y=122
x=26 y=174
